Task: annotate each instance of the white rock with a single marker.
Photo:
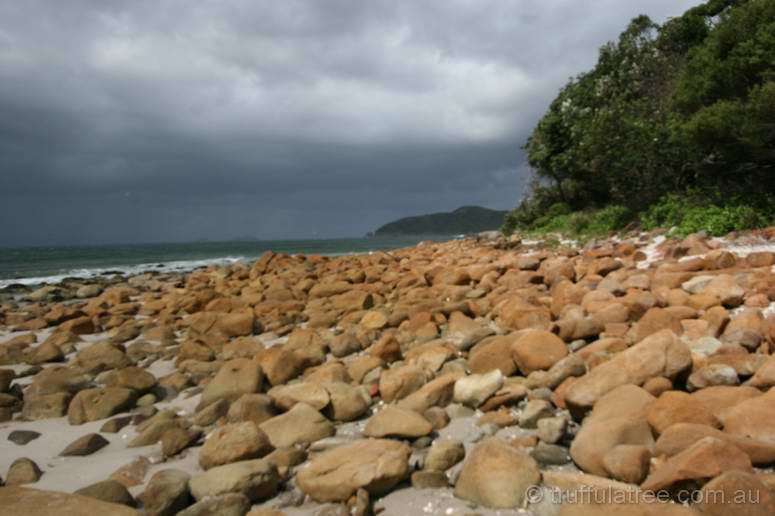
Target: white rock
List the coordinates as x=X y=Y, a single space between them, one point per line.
x=474 y=390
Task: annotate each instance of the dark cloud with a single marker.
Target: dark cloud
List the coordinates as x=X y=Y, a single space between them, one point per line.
x=158 y=120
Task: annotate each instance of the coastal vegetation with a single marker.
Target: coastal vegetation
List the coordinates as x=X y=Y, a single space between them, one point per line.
x=674 y=127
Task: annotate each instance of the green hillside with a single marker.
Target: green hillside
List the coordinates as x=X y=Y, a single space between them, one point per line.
x=465 y=220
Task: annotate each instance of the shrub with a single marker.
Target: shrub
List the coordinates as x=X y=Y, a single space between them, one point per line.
x=608 y=219
x=668 y=212
x=693 y=213
x=717 y=220
x=559 y=219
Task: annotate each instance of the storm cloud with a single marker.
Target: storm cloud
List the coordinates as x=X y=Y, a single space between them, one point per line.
x=172 y=120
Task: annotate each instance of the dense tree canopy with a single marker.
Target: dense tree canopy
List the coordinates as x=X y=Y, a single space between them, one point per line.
x=688 y=106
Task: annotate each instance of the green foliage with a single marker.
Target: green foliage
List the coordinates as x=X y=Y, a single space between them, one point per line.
x=688 y=106
x=691 y=214
x=609 y=219
x=559 y=219
x=668 y=212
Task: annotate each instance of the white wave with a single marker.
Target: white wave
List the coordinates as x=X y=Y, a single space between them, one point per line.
x=127 y=270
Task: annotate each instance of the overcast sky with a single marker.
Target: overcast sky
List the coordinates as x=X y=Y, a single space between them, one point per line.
x=180 y=120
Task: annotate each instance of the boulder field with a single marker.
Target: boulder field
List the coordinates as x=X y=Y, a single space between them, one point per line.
x=629 y=375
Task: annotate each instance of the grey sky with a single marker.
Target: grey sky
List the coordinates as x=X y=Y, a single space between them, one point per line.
x=162 y=120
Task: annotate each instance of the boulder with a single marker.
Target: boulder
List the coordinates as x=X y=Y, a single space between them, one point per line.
x=33 y=502
x=752 y=418
x=738 y=493
x=344 y=344
x=493 y=353
x=678 y=407
x=46 y=352
x=94 y=404
x=443 y=454
x=436 y=393
x=22 y=471
x=286 y=396
x=681 y=436
x=704 y=460
x=101 y=356
x=251 y=407
x=655 y=320
x=301 y=424
x=376 y=465
x=6 y=377
x=177 y=439
x=46 y=406
x=474 y=390
x=725 y=289
x=538 y=350
x=235 y=324
x=57 y=379
x=374 y=320
x=230 y=504
x=619 y=418
x=134 y=378
x=397 y=383
x=234 y=378
x=535 y=411
x=109 y=491
x=152 y=430
x=746 y=329
x=497 y=475
x=85 y=445
x=256 y=479
x=22 y=437
x=659 y=355
x=348 y=402
x=166 y=493
x=765 y=375
x=464 y=332
x=628 y=463
x=281 y=364
x=718 y=399
x=232 y=443
x=396 y=422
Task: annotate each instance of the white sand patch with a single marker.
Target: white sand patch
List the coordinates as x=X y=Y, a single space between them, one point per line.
x=351 y=430
x=743 y=250
x=7 y=336
x=651 y=252
x=463 y=429
x=71 y=473
x=271 y=339
x=67 y=473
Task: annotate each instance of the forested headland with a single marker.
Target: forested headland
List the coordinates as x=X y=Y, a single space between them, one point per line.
x=674 y=127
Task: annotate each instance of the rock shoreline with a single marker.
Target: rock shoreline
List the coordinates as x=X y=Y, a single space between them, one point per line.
x=476 y=376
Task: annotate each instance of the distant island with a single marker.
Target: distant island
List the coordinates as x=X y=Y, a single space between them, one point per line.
x=468 y=219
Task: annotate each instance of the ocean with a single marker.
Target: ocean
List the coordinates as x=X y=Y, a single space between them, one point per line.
x=38 y=265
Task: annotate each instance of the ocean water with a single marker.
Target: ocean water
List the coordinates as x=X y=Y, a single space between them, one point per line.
x=33 y=266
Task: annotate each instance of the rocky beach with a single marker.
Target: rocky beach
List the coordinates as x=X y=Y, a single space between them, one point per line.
x=629 y=375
